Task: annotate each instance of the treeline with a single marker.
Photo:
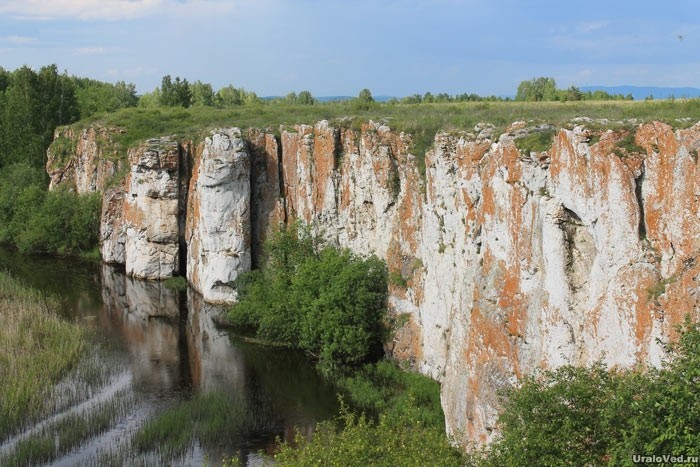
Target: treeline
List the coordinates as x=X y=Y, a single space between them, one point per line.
x=545 y=89
x=179 y=92
x=32 y=105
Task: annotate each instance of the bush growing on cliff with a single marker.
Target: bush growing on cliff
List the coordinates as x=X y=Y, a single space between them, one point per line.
x=323 y=300
x=592 y=416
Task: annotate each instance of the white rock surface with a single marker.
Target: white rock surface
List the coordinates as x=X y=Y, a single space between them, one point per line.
x=218 y=216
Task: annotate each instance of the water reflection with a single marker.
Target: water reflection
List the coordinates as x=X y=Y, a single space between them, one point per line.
x=175 y=351
x=146 y=317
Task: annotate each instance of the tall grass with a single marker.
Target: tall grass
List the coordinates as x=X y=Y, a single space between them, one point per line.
x=37 y=348
x=69 y=432
x=211 y=419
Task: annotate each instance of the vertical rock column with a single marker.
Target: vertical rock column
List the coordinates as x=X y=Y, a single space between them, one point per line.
x=151 y=210
x=218 y=216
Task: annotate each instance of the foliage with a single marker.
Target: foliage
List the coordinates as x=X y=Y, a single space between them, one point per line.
x=364 y=100
x=202 y=94
x=35 y=346
x=537 y=89
x=397 y=279
x=387 y=442
x=536 y=141
x=627 y=145
x=175 y=93
x=383 y=388
x=176 y=283
x=545 y=89
x=592 y=416
x=97 y=96
x=325 y=301
x=229 y=96
x=36 y=220
x=33 y=105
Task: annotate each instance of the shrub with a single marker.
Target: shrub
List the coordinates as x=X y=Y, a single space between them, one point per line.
x=36 y=220
x=323 y=300
x=387 y=442
x=592 y=416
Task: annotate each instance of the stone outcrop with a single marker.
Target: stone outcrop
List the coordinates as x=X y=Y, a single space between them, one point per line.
x=503 y=263
x=78 y=159
x=140 y=223
x=218 y=216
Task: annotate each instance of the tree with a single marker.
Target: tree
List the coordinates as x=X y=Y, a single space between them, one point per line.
x=34 y=104
x=230 y=96
x=96 y=96
x=537 y=89
x=365 y=96
x=325 y=301
x=305 y=98
x=202 y=94
x=175 y=93
x=364 y=100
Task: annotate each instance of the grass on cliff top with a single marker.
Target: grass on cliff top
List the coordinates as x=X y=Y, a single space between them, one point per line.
x=141 y=124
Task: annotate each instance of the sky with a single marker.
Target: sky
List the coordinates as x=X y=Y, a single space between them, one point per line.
x=334 y=47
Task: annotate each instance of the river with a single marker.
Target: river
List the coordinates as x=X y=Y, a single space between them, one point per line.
x=161 y=355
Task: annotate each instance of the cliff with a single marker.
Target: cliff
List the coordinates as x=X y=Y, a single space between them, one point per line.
x=504 y=261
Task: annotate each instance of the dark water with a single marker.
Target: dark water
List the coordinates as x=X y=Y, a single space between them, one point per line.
x=163 y=350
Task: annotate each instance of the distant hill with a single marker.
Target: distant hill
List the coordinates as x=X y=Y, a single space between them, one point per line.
x=641 y=92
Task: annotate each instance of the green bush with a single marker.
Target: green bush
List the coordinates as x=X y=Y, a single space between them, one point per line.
x=383 y=388
x=362 y=442
x=593 y=416
x=36 y=220
x=325 y=301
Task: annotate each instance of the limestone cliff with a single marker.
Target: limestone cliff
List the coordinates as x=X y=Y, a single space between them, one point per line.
x=218 y=216
x=504 y=262
x=78 y=159
x=141 y=225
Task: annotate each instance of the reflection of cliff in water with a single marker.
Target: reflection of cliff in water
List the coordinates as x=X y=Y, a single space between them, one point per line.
x=175 y=346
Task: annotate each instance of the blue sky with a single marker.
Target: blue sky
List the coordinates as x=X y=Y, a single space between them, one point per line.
x=338 y=47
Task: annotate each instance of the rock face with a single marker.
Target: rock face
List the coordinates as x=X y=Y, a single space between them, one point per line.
x=218 y=216
x=140 y=225
x=77 y=159
x=151 y=207
x=504 y=263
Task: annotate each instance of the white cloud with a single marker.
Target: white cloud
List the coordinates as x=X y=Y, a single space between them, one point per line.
x=89 y=51
x=101 y=9
x=20 y=40
x=591 y=26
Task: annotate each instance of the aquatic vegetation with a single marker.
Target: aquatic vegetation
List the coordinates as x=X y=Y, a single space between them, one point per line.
x=60 y=436
x=37 y=349
x=210 y=419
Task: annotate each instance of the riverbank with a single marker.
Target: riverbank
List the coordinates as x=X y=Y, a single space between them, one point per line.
x=37 y=349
